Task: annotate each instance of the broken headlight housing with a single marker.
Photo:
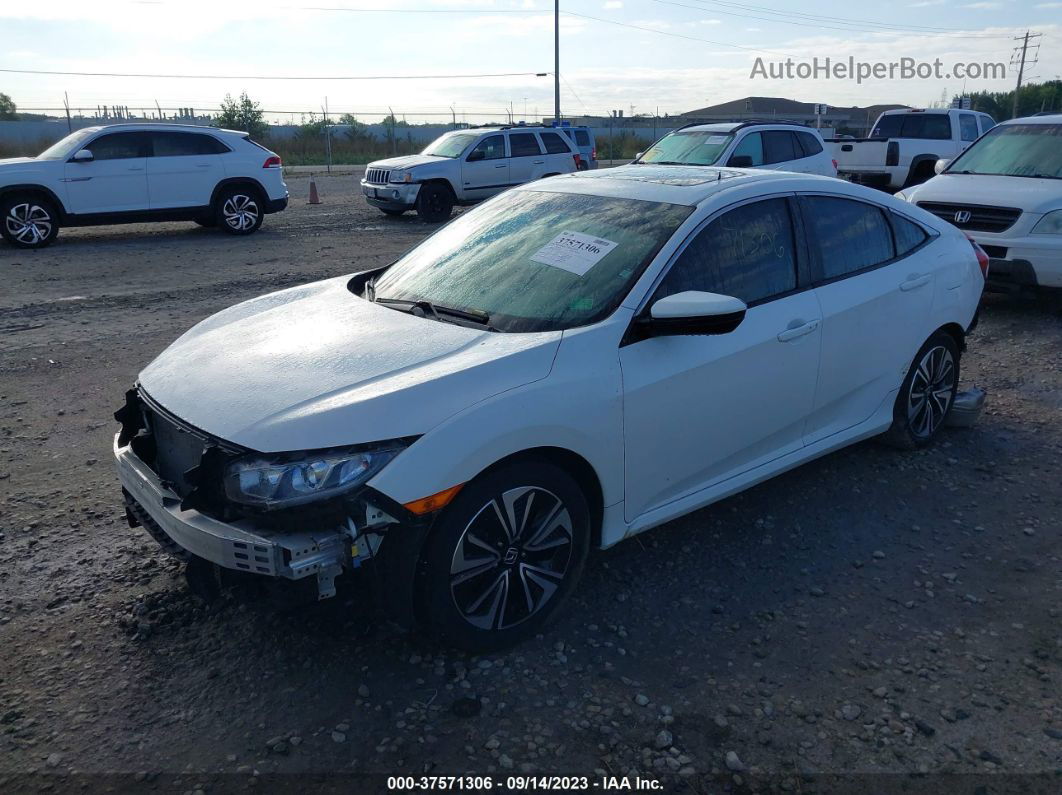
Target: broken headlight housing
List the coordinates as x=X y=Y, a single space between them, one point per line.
x=297 y=478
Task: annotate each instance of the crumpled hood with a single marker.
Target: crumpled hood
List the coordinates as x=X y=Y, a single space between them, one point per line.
x=1026 y=193
x=406 y=161
x=316 y=366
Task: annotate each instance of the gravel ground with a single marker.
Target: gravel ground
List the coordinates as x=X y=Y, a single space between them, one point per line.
x=874 y=620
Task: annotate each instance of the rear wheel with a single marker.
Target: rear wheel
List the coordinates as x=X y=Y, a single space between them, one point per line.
x=238 y=210
x=926 y=395
x=504 y=556
x=28 y=221
x=435 y=203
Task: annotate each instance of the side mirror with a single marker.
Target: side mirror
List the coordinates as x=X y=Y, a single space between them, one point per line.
x=694 y=312
x=83 y=156
x=740 y=161
x=476 y=154
x=940 y=165
x=638 y=156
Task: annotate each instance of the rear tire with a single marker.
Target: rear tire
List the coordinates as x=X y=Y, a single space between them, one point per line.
x=926 y=395
x=28 y=221
x=238 y=210
x=435 y=203
x=503 y=556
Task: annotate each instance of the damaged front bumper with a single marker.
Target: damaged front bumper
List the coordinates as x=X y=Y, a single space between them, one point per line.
x=240 y=545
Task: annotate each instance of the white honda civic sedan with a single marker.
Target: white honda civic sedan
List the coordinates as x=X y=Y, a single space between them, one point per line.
x=569 y=364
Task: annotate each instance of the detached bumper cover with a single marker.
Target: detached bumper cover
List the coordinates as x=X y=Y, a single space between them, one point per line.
x=239 y=546
x=397 y=196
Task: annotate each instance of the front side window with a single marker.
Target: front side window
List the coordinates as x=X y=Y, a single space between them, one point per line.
x=779 y=146
x=450 y=144
x=968 y=127
x=1014 y=150
x=492 y=147
x=688 y=148
x=120 y=146
x=751 y=146
x=524 y=145
x=517 y=258
x=67 y=146
x=180 y=144
x=554 y=145
x=848 y=235
x=747 y=252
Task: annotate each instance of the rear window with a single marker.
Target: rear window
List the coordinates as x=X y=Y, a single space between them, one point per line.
x=934 y=126
x=582 y=137
x=809 y=143
x=554 y=144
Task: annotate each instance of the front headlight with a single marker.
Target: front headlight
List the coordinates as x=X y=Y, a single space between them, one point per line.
x=400 y=176
x=1050 y=224
x=294 y=479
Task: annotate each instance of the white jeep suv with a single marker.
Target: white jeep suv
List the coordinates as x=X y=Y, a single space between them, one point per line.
x=467 y=166
x=128 y=173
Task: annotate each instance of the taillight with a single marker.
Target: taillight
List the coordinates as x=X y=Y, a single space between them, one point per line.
x=982 y=257
x=273 y=161
x=834 y=161
x=593 y=153
x=578 y=161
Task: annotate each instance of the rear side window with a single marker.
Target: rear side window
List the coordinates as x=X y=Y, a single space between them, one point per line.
x=524 y=145
x=178 y=144
x=554 y=144
x=492 y=147
x=987 y=123
x=779 y=146
x=808 y=143
x=582 y=138
x=752 y=146
x=747 y=252
x=848 y=235
x=908 y=234
x=968 y=127
x=120 y=146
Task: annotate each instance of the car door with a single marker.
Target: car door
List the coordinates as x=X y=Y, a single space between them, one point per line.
x=526 y=160
x=560 y=155
x=485 y=170
x=876 y=306
x=183 y=169
x=698 y=410
x=781 y=152
x=115 y=180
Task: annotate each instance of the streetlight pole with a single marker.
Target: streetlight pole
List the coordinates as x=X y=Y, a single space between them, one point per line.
x=556 y=62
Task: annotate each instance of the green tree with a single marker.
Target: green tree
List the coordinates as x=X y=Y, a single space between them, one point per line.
x=1034 y=97
x=7 y=108
x=242 y=114
x=356 y=130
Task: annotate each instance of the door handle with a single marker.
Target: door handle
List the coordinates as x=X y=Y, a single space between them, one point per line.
x=914 y=281
x=501 y=166
x=797 y=331
x=538 y=162
x=136 y=168
x=202 y=165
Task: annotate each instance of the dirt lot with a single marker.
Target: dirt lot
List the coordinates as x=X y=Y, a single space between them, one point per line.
x=871 y=621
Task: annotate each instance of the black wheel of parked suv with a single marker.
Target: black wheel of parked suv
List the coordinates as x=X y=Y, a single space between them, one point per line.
x=435 y=203
x=503 y=556
x=926 y=395
x=28 y=221
x=238 y=210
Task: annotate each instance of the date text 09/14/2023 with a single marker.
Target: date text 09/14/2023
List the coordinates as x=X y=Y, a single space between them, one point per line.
x=538 y=783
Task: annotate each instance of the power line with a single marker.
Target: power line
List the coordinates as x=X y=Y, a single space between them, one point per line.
x=272 y=77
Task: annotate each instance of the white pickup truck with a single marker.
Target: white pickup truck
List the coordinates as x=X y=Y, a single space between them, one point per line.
x=904 y=146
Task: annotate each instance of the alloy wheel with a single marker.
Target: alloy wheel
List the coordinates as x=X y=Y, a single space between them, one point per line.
x=931 y=392
x=28 y=223
x=240 y=211
x=511 y=558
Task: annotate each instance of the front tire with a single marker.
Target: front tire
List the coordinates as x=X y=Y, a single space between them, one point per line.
x=926 y=395
x=28 y=221
x=504 y=556
x=239 y=211
x=435 y=203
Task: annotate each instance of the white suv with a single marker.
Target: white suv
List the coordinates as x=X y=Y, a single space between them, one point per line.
x=467 y=166
x=128 y=173
x=778 y=146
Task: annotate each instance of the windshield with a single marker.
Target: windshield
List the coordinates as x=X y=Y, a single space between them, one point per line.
x=693 y=148
x=1014 y=150
x=450 y=145
x=536 y=260
x=65 y=147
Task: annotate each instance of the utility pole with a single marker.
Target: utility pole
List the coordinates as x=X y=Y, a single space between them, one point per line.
x=1020 y=61
x=556 y=62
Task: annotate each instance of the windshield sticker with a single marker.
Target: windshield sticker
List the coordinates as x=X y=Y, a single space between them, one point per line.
x=715 y=140
x=573 y=252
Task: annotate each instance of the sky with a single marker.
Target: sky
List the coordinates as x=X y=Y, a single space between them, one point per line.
x=642 y=56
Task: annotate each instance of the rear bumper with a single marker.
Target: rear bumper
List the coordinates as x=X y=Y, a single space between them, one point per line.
x=239 y=546
x=276 y=205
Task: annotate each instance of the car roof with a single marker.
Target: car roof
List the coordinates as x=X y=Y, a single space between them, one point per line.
x=688 y=185
x=733 y=126
x=163 y=126
x=1054 y=118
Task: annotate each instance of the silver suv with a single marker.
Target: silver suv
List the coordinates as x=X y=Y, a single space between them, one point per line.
x=467 y=166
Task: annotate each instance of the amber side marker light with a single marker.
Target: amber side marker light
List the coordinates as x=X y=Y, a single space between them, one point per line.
x=435 y=502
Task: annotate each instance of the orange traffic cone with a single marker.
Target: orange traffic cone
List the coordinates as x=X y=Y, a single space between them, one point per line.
x=314 y=198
